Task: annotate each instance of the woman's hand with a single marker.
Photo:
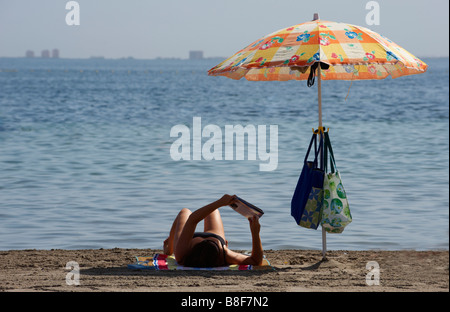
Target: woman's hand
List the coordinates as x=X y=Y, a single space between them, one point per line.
x=226 y=200
x=255 y=227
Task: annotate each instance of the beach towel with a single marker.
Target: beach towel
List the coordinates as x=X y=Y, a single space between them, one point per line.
x=165 y=262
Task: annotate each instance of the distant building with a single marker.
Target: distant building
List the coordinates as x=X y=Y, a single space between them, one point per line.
x=29 y=53
x=55 y=53
x=195 y=55
x=45 y=54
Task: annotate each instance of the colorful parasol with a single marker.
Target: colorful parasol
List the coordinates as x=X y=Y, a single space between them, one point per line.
x=343 y=51
x=352 y=53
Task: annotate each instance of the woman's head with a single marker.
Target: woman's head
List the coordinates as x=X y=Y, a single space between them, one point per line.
x=206 y=253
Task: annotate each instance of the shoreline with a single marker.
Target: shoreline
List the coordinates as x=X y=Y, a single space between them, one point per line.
x=105 y=270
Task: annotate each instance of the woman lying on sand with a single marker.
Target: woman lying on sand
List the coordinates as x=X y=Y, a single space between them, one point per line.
x=209 y=248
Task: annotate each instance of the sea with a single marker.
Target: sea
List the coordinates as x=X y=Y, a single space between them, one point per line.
x=90 y=154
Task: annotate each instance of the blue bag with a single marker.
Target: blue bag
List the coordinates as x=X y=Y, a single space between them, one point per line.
x=311 y=177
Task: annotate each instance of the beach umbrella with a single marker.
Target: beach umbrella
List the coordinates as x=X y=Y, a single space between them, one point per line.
x=323 y=49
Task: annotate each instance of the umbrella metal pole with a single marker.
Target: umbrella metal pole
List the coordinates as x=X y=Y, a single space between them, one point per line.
x=319 y=88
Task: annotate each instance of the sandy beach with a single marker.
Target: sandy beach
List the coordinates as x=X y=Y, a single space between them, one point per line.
x=105 y=270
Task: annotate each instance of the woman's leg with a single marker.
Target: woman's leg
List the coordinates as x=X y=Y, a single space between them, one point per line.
x=213 y=223
x=177 y=227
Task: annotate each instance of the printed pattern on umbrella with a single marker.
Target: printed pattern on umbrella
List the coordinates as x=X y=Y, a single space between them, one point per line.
x=353 y=53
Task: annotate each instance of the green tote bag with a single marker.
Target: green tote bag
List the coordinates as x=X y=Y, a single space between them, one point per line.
x=335 y=209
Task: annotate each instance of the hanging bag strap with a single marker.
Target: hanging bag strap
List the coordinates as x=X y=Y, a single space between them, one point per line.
x=313 y=139
x=321 y=150
x=327 y=149
x=317 y=151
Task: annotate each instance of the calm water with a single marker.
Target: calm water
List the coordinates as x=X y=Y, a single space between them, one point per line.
x=85 y=154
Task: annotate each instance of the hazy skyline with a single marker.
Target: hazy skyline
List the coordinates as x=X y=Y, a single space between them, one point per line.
x=150 y=29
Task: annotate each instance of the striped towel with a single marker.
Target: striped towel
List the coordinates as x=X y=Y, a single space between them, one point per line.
x=165 y=262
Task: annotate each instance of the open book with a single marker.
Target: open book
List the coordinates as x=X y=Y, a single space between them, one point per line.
x=246 y=209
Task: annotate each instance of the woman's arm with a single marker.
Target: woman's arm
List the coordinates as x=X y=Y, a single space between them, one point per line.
x=203 y=212
x=184 y=241
x=257 y=250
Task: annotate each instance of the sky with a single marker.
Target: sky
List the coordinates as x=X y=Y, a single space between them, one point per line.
x=147 y=29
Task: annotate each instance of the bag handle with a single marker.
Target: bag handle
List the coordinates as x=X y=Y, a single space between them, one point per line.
x=309 y=148
x=316 y=150
x=319 y=152
x=330 y=149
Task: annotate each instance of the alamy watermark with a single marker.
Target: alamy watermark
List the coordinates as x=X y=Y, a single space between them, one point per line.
x=73 y=16
x=228 y=144
x=373 y=17
x=73 y=277
x=373 y=276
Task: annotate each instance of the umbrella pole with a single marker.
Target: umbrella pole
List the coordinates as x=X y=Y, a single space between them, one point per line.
x=319 y=88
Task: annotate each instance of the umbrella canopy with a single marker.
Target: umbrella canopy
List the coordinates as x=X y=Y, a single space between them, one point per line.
x=352 y=53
